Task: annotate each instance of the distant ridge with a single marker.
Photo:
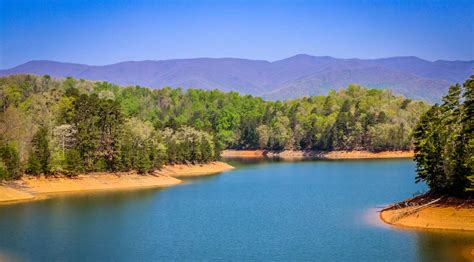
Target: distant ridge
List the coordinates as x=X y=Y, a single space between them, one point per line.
x=296 y=76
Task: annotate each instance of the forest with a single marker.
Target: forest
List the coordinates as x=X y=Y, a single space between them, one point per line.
x=444 y=143
x=68 y=126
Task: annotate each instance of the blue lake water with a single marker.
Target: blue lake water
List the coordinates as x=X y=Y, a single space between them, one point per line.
x=262 y=210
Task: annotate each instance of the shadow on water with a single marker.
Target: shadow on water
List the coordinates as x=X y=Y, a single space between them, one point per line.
x=444 y=245
x=200 y=179
x=242 y=162
x=431 y=244
x=93 y=202
x=245 y=161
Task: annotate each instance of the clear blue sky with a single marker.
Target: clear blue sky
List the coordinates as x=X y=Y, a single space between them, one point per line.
x=104 y=32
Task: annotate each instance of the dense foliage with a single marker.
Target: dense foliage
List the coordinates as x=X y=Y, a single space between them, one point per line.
x=10 y=161
x=444 y=142
x=70 y=126
x=39 y=159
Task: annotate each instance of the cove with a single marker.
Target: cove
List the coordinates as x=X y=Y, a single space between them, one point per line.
x=262 y=210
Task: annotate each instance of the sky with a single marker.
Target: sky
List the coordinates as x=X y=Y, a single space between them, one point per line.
x=105 y=32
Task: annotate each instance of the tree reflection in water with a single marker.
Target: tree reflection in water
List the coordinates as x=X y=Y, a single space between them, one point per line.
x=445 y=246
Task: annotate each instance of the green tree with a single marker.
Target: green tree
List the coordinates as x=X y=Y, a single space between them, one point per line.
x=442 y=143
x=39 y=161
x=73 y=162
x=342 y=128
x=9 y=161
x=99 y=125
x=428 y=150
x=468 y=130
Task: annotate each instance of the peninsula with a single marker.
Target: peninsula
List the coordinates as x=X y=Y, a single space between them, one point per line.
x=34 y=188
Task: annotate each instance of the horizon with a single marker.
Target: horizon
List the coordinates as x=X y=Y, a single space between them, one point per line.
x=237 y=58
x=103 y=33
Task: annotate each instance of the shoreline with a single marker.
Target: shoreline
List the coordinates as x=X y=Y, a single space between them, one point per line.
x=328 y=155
x=429 y=212
x=34 y=188
x=183 y=170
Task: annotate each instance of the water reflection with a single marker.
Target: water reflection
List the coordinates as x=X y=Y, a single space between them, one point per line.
x=239 y=162
x=431 y=244
x=445 y=246
x=274 y=210
x=200 y=179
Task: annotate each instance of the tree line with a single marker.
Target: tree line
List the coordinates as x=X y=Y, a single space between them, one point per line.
x=444 y=142
x=71 y=126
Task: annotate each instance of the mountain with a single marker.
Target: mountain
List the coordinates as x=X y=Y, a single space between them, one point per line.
x=296 y=76
x=374 y=77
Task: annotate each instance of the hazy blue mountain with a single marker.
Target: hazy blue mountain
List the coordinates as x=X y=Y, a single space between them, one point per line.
x=375 y=77
x=296 y=76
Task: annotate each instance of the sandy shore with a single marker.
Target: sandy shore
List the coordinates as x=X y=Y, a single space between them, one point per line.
x=290 y=154
x=446 y=215
x=244 y=153
x=195 y=170
x=8 y=194
x=31 y=188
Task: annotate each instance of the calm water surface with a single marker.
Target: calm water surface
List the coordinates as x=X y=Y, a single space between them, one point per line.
x=315 y=210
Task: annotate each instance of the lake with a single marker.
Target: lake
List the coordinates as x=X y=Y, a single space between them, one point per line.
x=262 y=210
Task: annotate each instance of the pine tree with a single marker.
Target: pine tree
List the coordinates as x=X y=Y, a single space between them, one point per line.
x=73 y=162
x=468 y=130
x=39 y=160
x=144 y=164
x=453 y=141
x=9 y=161
x=444 y=144
x=428 y=150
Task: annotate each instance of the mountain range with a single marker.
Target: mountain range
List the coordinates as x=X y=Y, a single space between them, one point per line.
x=296 y=76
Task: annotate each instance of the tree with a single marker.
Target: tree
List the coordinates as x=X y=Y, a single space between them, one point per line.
x=428 y=150
x=64 y=110
x=85 y=121
x=141 y=147
x=454 y=169
x=9 y=161
x=39 y=161
x=64 y=136
x=188 y=145
x=443 y=148
x=468 y=130
x=280 y=133
x=342 y=128
x=99 y=125
x=73 y=162
x=263 y=136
